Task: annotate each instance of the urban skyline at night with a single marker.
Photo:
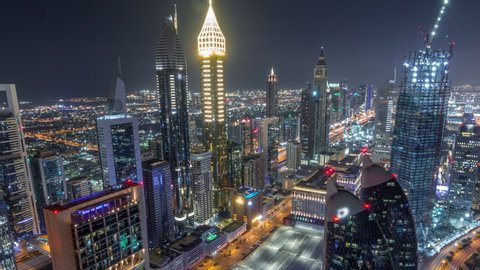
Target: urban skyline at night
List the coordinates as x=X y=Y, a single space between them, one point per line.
x=275 y=136
x=354 y=34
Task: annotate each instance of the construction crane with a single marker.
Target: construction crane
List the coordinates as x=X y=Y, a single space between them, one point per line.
x=428 y=37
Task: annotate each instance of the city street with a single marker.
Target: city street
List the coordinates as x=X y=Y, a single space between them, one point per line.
x=439 y=262
x=240 y=248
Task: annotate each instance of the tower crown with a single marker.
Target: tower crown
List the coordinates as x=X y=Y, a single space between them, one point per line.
x=211 y=39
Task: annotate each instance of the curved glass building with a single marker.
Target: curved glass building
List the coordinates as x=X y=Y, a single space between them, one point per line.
x=171 y=67
x=387 y=200
x=353 y=238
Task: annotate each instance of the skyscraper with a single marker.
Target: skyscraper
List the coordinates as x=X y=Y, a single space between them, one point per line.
x=118 y=140
x=157 y=182
x=272 y=95
x=78 y=187
x=315 y=115
x=419 y=126
x=104 y=231
x=234 y=158
x=48 y=180
x=15 y=185
x=202 y=186
x=211 y=48
x=353 y=239
x=465 y=174
x=268 y=137
x=171 y=66
x=384 y=197
x=383 y=105
x=293 y=155
x=7 y=255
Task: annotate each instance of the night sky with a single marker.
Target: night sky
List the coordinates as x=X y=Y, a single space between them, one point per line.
x=59 y=48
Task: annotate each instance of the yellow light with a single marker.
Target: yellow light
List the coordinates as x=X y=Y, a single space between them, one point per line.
x=211 y=40
x=240 y=200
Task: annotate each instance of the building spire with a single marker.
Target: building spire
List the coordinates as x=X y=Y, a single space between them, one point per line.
x=272 y=72
x=175 y=18
x=119 y=66
x=211 y=40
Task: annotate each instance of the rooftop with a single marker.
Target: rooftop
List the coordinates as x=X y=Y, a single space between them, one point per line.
x=287 y=248
x=186 y=243
x=233 y=226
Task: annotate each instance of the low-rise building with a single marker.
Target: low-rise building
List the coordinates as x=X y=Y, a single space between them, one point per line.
x=235 y=230
x=192 y=249
x=246 y=206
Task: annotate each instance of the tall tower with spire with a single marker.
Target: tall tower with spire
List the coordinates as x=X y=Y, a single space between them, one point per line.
x=315 y=115
x=272 y=92
x=118 y=139
x=171 y=69
x=320 y=90
x=211 y=49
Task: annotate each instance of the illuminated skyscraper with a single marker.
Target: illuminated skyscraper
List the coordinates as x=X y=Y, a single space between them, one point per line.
x=419 y=125
x=465 y=175
x=387 y=200
x=106 y=230
x=7 y=255
x=272 y=96
x=315 y=114
x=268 y=139
x=202 y=186
x=383 y=106
x=48 y=179
x=172 y=85
x=157 y=182
x=211 y=48
x=353 y=238
x=15 y=185
x=118 y=140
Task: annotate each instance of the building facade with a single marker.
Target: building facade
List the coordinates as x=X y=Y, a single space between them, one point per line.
x=246 y=206
x=157 y=182
x=79 y=187
x=419 y=125
x=315 y=115
x=118 y=140
x=272 y=96
x=385 y=198
x=294 y=151
x=7 y=254
x=211 y=49
x=172 y=84
x=16 y=189
x=202 y=186
x=105 y=231
x=49 y=184
x=353 y=239
x=465 y=174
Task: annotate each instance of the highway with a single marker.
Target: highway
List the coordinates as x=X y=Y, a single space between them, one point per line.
x=336 y=133
x=237 y=250
x=440 y=263
x=51 y=136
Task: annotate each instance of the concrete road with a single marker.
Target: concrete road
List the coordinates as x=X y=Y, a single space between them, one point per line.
x=439 y=262
x=236 y=251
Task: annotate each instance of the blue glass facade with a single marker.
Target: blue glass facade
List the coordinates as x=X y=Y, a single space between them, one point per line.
x=124 y=151
x=387 y=201
x=157 y=182
x=419 y=125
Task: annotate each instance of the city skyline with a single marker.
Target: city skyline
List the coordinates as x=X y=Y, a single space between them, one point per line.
x=61 y=34
x=196 y=173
